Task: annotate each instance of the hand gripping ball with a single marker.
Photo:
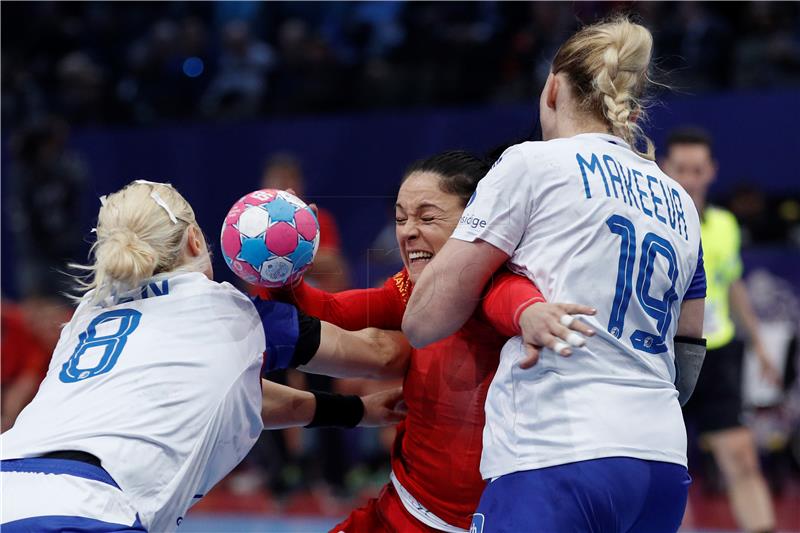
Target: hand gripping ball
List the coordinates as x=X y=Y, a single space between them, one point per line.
x=269 y=238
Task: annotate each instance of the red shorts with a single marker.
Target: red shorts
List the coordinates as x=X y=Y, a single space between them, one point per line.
x=384 y=514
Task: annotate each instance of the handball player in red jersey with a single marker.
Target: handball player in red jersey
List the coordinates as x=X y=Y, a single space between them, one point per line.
x=435 y=482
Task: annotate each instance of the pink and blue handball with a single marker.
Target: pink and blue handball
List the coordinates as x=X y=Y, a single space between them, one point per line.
x=269 y=238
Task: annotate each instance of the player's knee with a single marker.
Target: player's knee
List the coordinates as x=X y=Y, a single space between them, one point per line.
x=742 y=458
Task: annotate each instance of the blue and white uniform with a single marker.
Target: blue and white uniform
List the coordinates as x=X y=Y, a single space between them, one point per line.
x=589 y=221
x=163 y=386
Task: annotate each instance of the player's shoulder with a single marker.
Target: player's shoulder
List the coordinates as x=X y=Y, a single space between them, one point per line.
x=541 y=155
x=226 y=295
x=400 y=284
x=181 y=286
x=534 y=149
x=526 y=157
x=197 y=282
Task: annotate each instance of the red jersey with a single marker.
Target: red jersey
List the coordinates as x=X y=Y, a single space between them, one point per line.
x=328 y=230
x=22 y=351
x=437 y=450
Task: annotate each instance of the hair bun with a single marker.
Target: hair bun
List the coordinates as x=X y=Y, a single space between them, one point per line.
x=126 y=258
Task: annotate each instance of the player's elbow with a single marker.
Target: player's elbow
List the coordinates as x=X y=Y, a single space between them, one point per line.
x=416 y=331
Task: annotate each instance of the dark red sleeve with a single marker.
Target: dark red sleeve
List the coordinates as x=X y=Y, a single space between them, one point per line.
x=506 y=299
x=352 y=310
x=328 y=231
x=22 y=352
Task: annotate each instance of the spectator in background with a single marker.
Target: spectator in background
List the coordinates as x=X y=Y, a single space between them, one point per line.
x=330 y=270
x=716 y=405
x=23 y=363
x=309 y=78
x=81 y=95
x=22 y=97
x=46 y=185
x=696 y=46
x=65 y=56
x=239 y=87
x=760 y=219
x=155 y=85
x=768 y=54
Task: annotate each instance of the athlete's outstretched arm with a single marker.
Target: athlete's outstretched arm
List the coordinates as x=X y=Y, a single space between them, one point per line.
x=368 y=353
x=352 y=310
x=449 y=290
x=285 y=407
x=296 y=340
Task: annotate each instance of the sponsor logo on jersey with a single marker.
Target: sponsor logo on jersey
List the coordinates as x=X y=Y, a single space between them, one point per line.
x=472 y=198
x=472 y=221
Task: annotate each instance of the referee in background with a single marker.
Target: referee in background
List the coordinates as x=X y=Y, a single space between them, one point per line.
x=716 y=404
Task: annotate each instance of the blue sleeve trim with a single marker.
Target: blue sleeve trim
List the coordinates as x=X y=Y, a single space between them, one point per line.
x=281 y=329
x=697 y=288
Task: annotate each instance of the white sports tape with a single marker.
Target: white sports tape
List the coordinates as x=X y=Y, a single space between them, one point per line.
x=560 y=346
x=576 y=339
x=157 y=198
x=160 y=201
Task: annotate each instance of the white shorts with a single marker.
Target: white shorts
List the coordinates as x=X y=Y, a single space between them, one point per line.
x=46 y=495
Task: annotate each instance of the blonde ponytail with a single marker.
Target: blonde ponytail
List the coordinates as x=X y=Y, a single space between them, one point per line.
x=124 y=258
x=608 y=66
x=141 y=231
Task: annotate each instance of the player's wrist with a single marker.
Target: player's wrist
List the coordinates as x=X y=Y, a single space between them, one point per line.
x=520 y=311
x=336 y=410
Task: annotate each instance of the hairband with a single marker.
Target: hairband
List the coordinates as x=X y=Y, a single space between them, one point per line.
x=154 y=195
x=157 y=198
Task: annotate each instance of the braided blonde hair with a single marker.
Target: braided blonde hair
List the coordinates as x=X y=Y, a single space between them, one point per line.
x=608 y=66
x=142 y=231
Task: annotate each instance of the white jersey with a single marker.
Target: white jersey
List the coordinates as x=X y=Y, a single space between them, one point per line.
x=164 y=389
x=590 y=222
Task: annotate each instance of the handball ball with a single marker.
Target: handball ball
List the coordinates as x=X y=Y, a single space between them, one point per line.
x=269 y=238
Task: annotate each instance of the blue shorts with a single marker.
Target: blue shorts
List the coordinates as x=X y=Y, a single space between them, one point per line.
x=49 y=495
x=610 y=495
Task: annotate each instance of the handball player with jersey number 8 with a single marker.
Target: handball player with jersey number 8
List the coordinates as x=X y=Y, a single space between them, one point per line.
x=154 y=393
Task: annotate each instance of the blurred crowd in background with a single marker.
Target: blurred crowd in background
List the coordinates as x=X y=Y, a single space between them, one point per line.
x=120 y=64
x=109 y=63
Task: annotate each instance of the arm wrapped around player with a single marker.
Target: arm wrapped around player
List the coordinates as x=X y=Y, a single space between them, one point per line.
x=513 y=305
x=284 y=407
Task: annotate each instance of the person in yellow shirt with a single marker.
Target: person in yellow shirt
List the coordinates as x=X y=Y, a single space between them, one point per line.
x=716 y=404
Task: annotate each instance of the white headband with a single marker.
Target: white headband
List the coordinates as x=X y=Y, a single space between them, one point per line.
x=154 y=195
x=157 y=198
x=102 y=203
